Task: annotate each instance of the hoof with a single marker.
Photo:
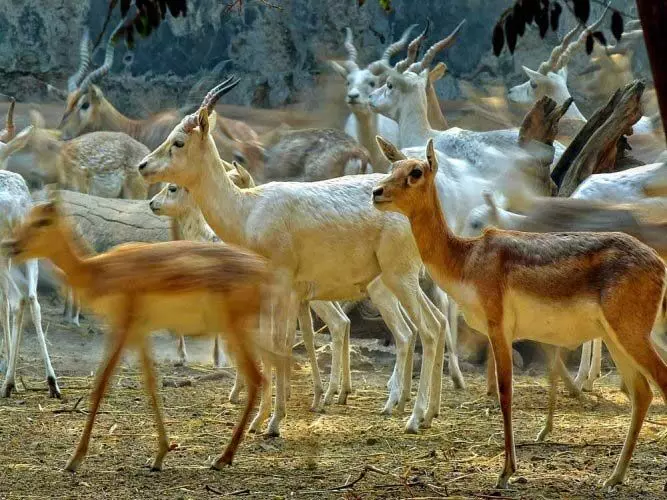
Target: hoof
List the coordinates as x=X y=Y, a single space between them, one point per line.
x=342 y=397
x=542 y=435
x=222 y=461
x=412 y=427
x=7 y=389
x=72 y=464
x=459 y=383
x=54 y=390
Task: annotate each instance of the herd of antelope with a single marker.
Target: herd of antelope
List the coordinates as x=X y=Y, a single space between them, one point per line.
x=348 y=216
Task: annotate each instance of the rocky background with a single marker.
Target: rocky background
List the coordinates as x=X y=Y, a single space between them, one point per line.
x=277 y=50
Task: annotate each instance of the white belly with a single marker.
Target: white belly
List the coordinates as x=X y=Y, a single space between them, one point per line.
x=566 y=323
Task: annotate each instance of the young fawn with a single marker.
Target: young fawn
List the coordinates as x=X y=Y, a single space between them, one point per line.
x=557 y=288
x=194 y=288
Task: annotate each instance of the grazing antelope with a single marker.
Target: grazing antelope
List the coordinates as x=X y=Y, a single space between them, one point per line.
x=15 y=203
x=101 y=164
x=138 y=288
x=311 y=230
x=558 y=288
x=188 y=223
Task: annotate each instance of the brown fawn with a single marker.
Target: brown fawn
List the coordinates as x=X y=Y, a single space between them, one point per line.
x=557 y=288
x=194 y=288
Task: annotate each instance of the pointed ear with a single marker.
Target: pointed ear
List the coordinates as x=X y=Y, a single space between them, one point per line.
x=37 y=119
x=339 y=69
x=437 y=73
x=390 y=152
x=202 y=121
x=244 y=175
x=95 y=93
x=563 y=72
x=431 y=157
x=534 y=76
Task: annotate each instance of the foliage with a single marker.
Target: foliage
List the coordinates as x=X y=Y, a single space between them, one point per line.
x=546 y=14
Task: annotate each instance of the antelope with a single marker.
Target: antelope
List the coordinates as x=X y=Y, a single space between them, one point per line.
x=551 y=77
x=558 y=288
x=190 y=287
x=187 y=223
x=364 y=123
x=88 y=110
x=15 y=203
x=311 y=231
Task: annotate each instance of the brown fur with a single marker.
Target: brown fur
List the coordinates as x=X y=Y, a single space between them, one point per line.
x=613 y=272
x=132 y=285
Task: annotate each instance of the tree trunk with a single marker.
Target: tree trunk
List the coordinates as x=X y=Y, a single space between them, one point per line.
x=653 y=16
x=595 y=148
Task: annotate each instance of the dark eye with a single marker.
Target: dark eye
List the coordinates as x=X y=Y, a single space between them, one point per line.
x=389 y=86
x=371 y=83
x=173 y=188
x=416 y=173
x=179 y=144
x=533 y=84
x=477 y=225
x=85 y=106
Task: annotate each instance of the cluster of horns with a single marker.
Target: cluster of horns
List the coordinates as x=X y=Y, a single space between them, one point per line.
x=383 y=64
x=191 y=121
x=562 y=53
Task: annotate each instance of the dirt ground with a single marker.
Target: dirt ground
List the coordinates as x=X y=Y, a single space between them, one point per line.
x=317 y=454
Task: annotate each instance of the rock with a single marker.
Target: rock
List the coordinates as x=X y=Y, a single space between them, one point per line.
x=517 y=359
x=357 y=360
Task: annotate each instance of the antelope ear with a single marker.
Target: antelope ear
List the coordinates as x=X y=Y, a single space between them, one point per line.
x=203 y=121
x=95 y=93
x=244 y=175
x=534 y=76
x=431 y=157
x=390 y=152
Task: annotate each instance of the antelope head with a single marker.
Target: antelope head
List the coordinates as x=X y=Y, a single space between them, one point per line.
x=361 y=82
x=190 y=143
x=410 y=181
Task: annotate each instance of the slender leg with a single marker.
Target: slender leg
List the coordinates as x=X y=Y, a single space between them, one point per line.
x=640 y=396
x=32 y=271
x=596 y=366
x=219 y=357
x=554 y=356
x=584 y=364
x=491 y=382
x=9 y=384
x=246 y=363
x=346 y=375
x=452 y=345
x=5 y=308
x=285 y=332
x=148 y=369
x=390 y=310
x=182 y=352
x=435 y=395
x=101 y=384
x=306 y=323
x=267 y=331
x=502 y=354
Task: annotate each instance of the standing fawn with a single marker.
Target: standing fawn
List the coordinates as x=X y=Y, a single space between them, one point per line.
x=191 y=287
x=557 y=288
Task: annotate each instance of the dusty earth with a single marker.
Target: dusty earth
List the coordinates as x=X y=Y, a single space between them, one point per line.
x=317 y=454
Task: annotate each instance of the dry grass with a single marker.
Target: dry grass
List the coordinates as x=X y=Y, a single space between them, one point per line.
x=319 y=454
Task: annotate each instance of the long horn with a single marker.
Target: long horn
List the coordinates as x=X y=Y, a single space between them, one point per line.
x=351 y=62
x=382 y=65
x=10 y=130
x=565 y=57
x=557 y=51
x=84 y=63
x=217 y=92
x=430 y=54
x=413 y=50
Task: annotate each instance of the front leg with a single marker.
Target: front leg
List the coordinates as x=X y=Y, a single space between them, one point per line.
x=306 y=324
x=502 y=355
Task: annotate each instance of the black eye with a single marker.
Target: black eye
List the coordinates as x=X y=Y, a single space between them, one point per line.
x=416 y=173
x=179 y=144
x=173 y=188
x=477 y=225
x=85 y=106
x=371 y=83
x=389 y=86
x=239 y=158
x=533 y=84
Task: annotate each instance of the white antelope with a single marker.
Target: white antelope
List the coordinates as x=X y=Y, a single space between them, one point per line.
x=311 y=230
x=561 y=289
x=15 y=203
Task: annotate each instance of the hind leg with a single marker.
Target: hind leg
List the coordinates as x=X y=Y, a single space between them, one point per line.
x=596 y=366
x=306 y=324
x=640 y=397
x=584 y=364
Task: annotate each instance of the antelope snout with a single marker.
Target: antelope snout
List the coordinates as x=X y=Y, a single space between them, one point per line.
x=142 y=166
x=378 y=195
x=155 y=206
x=353 y=97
